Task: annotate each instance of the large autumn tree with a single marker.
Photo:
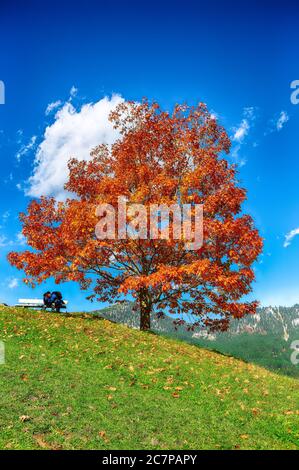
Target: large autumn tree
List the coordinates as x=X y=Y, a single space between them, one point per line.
x=161 y=157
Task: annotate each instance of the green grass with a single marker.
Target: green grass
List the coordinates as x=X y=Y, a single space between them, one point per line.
x=270 y=351
x=75 y=382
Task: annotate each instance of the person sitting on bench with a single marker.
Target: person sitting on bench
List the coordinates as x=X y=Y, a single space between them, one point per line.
x=47 y=298
x=53 y=300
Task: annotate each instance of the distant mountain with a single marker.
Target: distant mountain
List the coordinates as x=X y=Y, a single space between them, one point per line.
x=282 y=321
x=264 y=338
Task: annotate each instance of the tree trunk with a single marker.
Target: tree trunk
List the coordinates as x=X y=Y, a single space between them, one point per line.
x=145 y=312
x=145 y=318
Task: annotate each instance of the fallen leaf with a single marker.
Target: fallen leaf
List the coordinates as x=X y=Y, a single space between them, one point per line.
x=24 y=418
x=103 y=436
x=40 y=441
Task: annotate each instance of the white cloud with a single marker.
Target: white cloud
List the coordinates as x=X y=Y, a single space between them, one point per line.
x=282 y=120
x=52 y=106
x=241 y=132
x=289 y=237
x=73 y=91
x=56 y=104
x=214 y=115
x=72 y=134
x=18 y=239
x=4 y=241
x=250 y=112
x=236 y=155
x=13 y=283
x=5 y=216
x=20 y=133
x=277 y=123
x=21 y=239
x=26 y=148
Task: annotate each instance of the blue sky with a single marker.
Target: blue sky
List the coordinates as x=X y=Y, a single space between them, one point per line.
x=239 y=58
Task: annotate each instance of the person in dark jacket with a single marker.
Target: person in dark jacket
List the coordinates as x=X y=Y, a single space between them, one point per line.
x=53 y=300
x=47 y=299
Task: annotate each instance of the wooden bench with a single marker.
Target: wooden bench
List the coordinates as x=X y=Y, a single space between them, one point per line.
x=36 y=303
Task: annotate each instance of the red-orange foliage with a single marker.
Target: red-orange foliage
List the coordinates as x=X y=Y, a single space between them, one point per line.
x=160 y=157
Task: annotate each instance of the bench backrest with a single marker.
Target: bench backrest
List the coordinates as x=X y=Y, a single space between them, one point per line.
x=31 y=301
x=35 y=302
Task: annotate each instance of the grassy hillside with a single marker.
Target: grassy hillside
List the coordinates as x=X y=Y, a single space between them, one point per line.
x=264 y=339
x=80 y=382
